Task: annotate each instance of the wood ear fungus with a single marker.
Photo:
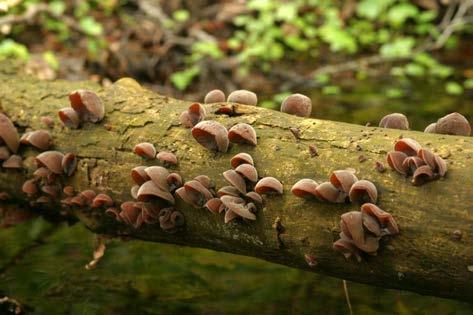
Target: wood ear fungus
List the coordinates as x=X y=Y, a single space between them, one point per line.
x=205 y=181
x=214 y=205
x=30 y=188
x=102 y=200
x=363 y=191
x=395 y=121
x=212 y=135
x=69 y=164
x=269 y=185
x=88 y=105
x=214 y=96
x=167 y=158
x=159 y=175
x=343 y=180
x=411 y=163
x=236 y=180
x=248 y=171
x=431 y=128
x=385 y=219
x=13 y=162
x=197 y=193
x=52 y=160
x=305 y=188
x=149 y=191
x=9 y=134
x=4 y=153
x=69 y=117
x=145 y=150
x=396 y=160
x=453 y=124
x=174 y=181
x=243 y=97
x=422 y=175
x=237 y=206
x=228 y=190
x=243 y=134
x=254 y=197
x=297 y=104
x=139 y=175
x=195 y=114
x=241 y=158
x=131 y=213
x=326 y=191
x=40 y=139
x=408 y=146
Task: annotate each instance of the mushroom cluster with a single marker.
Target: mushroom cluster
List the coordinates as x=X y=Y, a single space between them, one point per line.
x=395 y=121
x=410 y=158
x=86 y=106
x=147 y=151
x=343 y=187
x=451 y=124
x=193 y=115
x=362 y=230
x=9 y=144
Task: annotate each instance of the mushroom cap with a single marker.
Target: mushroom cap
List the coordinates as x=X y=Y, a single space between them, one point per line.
x=130 y=213
x=351 y=224
x=211 y=135
x=243 y=134
x=51 y=190
x=343 y=180
x=241 y=158
x=228 y=190
x=88 y=105
x=326 y=191
x=69 y=164
x=422 y=175
x=254 y=197
x=396 y=160
x=174 y=181
x=167 y=157
x=197 y=192
x=158 y=175
x=8 y=133
x=68 y=191
x=13 y=162
x=411 y=163
x=182 y=193
x=134 y=191
x=363 y=190
x=4 y=153
x=371 y=225
x=145 y=150
x=305 y=188
x=214 y=96
x=197 y=109
x=69 y=117
x=297 y=104
x=29 y=187
x=248 y=171
x=88 y=195
x=441 y=165
x=431 y=128
x=453 y=124
x=102 y=200
x=347 y=248
x=236 y=180
x=237 y=205
x=214 y=205
x=52 y=160
x=229 y=216
x=177 y=218
x=186 y=119
x=139 y=175
x=243 y=97
x=408 y=146
x=205 y=180
x=385 y=219
x=395 y=121
x=150 y=190
x=40 y=139
x=268 y=185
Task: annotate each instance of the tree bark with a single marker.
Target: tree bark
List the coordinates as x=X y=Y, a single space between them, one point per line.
x=423 y=258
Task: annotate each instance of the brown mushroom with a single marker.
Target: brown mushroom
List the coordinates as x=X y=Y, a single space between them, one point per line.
x=396 y=160
x=145 y=150
x=236 y=180
x=408 y=146
x=13 y=162
x=305 y=188
x=395 y=121
x=88 y=105
x=243 y=134
x=8 y=133
x=69 y=164
x=385 y=219
x=212 y=135
x=241 y=158
x=269 y=185
x=422 y=175
x=326 y=191
x=297 y=104
x=363 y=191
x=453 y=124
x=343 y=180
x=52 y=160
x=149 y=191
x=214 y=96
x=69 y=117
x=40 y=139
x=167 y=158
x=243 y=97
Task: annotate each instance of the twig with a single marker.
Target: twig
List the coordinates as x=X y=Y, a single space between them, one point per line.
x=347 y=296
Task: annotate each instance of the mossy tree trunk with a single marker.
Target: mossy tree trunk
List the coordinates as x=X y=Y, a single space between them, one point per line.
x=424 y=258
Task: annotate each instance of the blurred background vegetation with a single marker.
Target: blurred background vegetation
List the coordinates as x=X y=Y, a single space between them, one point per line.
x=357 y=59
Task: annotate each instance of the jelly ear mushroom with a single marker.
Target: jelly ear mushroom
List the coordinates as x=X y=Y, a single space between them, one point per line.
x=422 y=175
x=88 y=105
x=205 y=181
x=4 y=153
x=243 y=97
x=254 y=197
x=228 y=191
x=326 y=191
x=214 y=96
x=102 y=200
x=347 y=248
x=408 y=146
x=241 y=158
x=343 y=180
x=69 y=164
x=8 y=133
x=167 y=158
x=297 y=104
x=237 y=206
x=145 y=150
x=174 y=181
x=396 y=160
x=236 y=180
x=305 y=188
x=131 y=213
x=453 y=124
x=13 y=162
x=139 y=175
x=149 y=191
x=197 y=192
x=431 y=128
x=211 y=135
x=30 y=188
x=363 y=191
x=69 y=118
x=214 y=205
x=248 y=171
x=52 y=160
x=158 y=175
x=194 y=114
x=40 y=139
x=411 y=163
x=436 y=163
x=395 y=121
x=269 y=185
x=385 y=219
x=243 y=134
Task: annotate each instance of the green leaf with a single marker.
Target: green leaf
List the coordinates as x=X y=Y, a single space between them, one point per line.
x=286 y=12
x=453 y=88
x=415 y=70
x=181 y=15
x=57 y=7
x=322 y=78
x=468 y=84
x=207 y=48
x=427 y=16
x=11 y=49
x=371 y=9
x=394 y=93
x=441 y=71
x=425 y=59
x=183 y=79
x=90 y=26
x=397 y=71
x=401 y=47
x=51 y=59
x=338 y=39
x=297 y=43
x=399 y=13
x=331 y=90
